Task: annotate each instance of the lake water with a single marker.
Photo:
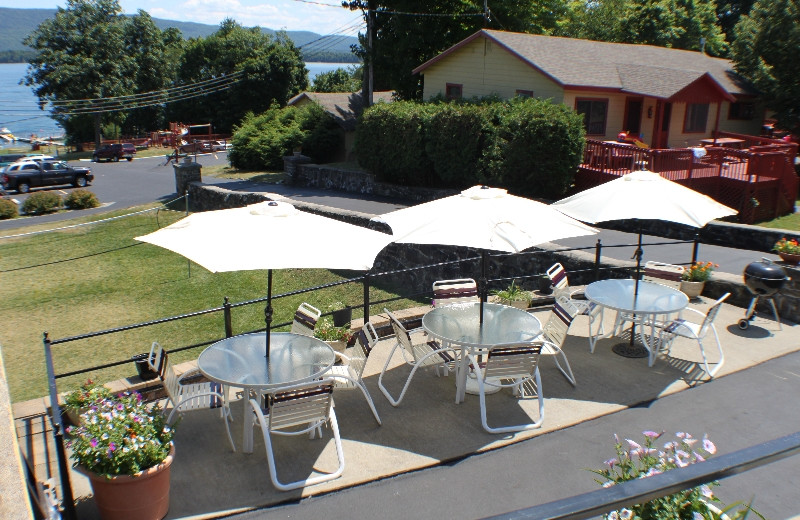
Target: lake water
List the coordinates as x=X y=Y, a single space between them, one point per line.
x=19 y=107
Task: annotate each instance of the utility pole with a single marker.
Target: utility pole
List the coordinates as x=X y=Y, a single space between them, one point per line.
x=367 y=72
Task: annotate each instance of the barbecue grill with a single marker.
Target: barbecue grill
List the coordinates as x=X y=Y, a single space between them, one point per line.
x=763 y=279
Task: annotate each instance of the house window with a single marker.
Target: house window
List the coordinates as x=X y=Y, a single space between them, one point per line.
x=745 y=111
x=453 y=91
x=594 y=115
x=525 y=93
x=696 y=118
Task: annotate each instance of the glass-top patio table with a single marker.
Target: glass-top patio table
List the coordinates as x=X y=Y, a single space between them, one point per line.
x=651 y=300
x=458 y=326
x=240 y=362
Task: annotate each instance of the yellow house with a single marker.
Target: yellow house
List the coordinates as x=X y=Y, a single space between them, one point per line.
x=345 y=107
x=671 y=98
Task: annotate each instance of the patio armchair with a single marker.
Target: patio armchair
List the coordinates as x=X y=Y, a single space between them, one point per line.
x=427 y=354
x=655 y=272
x=297 y=410
x=554 y=333
x=190 y=396
x=694 y=331
x=305 y=319
x=513 y=366
x=448 y=292
x=595 y=313
x=348 y=375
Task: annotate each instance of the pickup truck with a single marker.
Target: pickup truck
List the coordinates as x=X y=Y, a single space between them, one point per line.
x=114 y=152
x=23 y=176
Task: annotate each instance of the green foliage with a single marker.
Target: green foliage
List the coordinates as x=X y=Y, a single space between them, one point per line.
x=8 y=209
x=85 y=395
x=765 y=52
x=262 y=141
x=271 y=68
x=327 y=331
x=530 y=145
x=339 y=80
x=41 y=202
x=390 y=142
x=120 y=436
x=513 y=293
x=81 y=199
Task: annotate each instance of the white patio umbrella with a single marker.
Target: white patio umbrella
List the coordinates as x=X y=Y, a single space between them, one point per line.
x=269 y=235
x=642 y=195
x=484 y=218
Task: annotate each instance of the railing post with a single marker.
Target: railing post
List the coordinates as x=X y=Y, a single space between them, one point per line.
x=598 y=248
x=227 y=312
x=366 y=297
x=67 y=500
x=695 y=247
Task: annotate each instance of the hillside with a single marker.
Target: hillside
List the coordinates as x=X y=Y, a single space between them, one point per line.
x=16 y=24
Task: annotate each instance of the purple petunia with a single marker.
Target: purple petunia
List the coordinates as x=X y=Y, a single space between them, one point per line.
x=93 y=442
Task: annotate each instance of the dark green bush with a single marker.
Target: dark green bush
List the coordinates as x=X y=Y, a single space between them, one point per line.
x=81 y=199
x=41 y=202
x=8 y=209
x=390 y=142
x=458 y=138
x=263 y=140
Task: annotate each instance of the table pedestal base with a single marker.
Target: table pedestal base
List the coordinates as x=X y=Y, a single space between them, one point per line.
x=637 y=350
x=472 y=386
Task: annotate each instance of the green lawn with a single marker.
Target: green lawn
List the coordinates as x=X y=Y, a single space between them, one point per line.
x=93 y=278
x=790 y=222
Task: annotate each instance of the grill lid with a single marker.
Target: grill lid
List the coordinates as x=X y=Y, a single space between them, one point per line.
x=764 y=270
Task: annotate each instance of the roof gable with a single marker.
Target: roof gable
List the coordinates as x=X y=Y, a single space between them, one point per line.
x=345 y=107
x=575 y=63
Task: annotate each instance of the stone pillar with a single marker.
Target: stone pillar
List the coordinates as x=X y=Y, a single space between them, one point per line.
x=291 y=163
x=186 y=172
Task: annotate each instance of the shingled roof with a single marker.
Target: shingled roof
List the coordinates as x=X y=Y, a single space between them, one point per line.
x=345 y=107
x=641 y=69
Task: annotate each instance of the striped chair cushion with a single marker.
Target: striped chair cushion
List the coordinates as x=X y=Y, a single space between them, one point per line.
x=215 y=401
x=562 y=314
x=361 y=337
x=672 y=276
x=305 y=319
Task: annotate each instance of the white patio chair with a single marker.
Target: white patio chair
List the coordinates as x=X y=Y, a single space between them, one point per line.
x=193 y=396
x=416 y=355
x=695 y=331
x=306 y=406
x=655 y=272
x=155 y=361
x=305 y=319
x=560 y=283
x=348 y=375
x=554 y=332
x=511 y=366
x=463 y=290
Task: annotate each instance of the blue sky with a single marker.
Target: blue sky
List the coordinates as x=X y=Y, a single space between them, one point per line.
x=322 y=16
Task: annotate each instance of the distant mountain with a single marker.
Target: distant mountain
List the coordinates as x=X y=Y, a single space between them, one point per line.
x=16 y=24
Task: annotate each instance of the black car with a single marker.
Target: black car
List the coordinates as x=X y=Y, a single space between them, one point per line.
x=33 y=174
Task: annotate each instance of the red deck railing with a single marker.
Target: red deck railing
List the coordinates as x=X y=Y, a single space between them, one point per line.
x=760 y=181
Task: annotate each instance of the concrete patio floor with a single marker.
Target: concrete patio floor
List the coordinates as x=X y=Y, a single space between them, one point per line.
x=429 y=429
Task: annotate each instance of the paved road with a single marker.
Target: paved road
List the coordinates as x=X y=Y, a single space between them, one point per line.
x=125 y=184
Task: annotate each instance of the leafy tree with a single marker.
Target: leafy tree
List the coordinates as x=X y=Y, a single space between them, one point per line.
x=339 y=80
x=271 y=71
x=407 y=33
x=728 y=14
x=765 y=51
x=91 y=51
x=80 y=55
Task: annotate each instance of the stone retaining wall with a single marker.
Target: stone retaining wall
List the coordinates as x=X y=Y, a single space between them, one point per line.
x=527 y=267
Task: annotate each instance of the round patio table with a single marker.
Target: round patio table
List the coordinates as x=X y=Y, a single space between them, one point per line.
x=458 y=326
x=240 y=362
x=650 y=300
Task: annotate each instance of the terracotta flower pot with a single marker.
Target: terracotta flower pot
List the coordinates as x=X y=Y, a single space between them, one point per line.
x=790 y=258
x=144 y=496
x=692 y=289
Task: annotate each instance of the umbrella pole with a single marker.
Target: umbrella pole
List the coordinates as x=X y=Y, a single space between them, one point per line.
x=631 y=349
x=483 y=287
x=268 y=309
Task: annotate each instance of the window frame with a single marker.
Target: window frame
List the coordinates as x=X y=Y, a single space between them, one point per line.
x=737 y=116
x=586 y=115
x=448 y=86
x=689 y=118
x=524 y=93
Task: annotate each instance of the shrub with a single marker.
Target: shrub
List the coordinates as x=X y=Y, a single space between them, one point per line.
x=81 y=199
x=41 y=202
x=8 y=209
x=458 y=137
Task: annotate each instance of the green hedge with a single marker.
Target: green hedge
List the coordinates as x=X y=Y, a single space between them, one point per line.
x=263 y=140
x=528 y=145
x=81 y=199
x=8 y=209
x=41 y=202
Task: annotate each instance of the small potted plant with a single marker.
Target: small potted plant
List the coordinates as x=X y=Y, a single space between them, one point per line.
x=788 y=249
x=336 y=337
x=514 y=296
x=125 y=449
x=635 y=461
x=79 y=400
x=694 y=278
